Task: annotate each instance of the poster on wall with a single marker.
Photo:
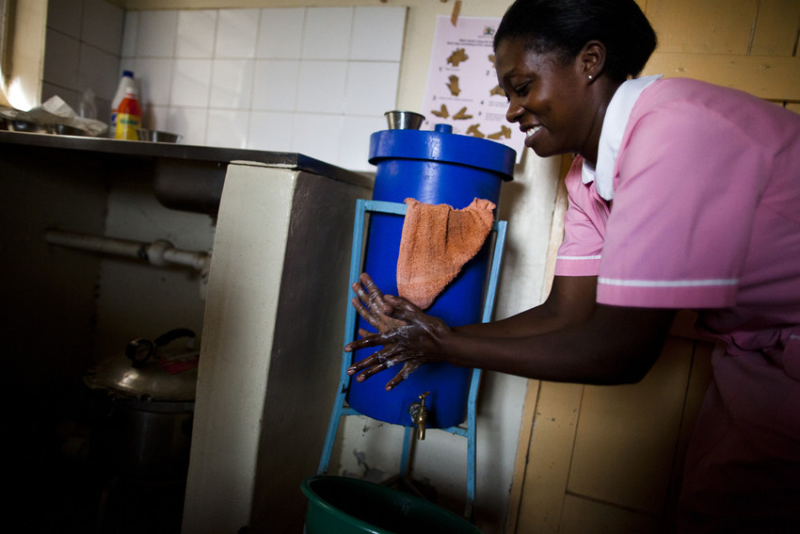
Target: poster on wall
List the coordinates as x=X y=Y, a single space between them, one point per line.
x=462 y=88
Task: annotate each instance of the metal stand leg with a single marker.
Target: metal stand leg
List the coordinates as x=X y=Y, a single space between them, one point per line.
x=340 y=407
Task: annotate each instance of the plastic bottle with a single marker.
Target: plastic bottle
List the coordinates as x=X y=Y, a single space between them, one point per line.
x=129 y=116
x=125 y=83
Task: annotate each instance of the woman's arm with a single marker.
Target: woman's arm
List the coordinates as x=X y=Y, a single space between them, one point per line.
x=571 y=301
x=615 y=345
x=568 y=339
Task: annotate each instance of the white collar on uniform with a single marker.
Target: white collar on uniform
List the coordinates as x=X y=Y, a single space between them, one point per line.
x=617 y=115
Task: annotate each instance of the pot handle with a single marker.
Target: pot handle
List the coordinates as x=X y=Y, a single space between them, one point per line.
x=172 y=335
x=139 y=351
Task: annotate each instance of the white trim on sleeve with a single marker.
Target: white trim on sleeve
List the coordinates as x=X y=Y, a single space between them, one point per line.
x=669 y=283
x=596 y=257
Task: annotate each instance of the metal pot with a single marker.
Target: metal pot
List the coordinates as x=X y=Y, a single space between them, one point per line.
x=149 y=395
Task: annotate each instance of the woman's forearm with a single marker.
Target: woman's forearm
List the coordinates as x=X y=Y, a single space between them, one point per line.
x=571 y=302
x=530 y=322
x=616 y=345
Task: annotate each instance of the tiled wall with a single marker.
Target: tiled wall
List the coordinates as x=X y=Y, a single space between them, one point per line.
x=310 y=80
x=82 y=52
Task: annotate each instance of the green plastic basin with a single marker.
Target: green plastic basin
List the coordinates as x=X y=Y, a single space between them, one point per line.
x=341 y=505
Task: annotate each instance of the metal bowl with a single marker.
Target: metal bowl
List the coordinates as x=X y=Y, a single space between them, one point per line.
x=404 y=120
x=157 y=136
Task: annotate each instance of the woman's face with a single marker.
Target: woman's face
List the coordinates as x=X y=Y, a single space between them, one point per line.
x=546 y=96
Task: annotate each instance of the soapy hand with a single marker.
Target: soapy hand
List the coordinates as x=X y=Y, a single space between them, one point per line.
x=372 y=307
x=408 y=335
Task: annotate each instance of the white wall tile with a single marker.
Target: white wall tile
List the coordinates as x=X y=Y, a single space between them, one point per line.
x=156 y=36
x=190 y=123
x=98 y=71
x=272 y=131
x=237 y=30
x=280 y=35
x=191 y=81
x=63 y=55
x=371 y=87
x=196 y=34
x=65 y=16
x=227 y=128
x=231 y=83
x=269 y=79
x=155 y=80
x=103 y=107
x=327 y=33
x=354 y=154
x=130 y=34
x=275 y=84
x=155 y=117
x=102 y=25
x=321 y=86
x=378 y=33
x=317 y=136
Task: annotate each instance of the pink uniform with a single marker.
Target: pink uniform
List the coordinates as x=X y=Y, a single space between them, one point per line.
x=706 y=216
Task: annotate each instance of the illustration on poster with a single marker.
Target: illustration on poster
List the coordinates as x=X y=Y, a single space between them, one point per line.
x=462 y=88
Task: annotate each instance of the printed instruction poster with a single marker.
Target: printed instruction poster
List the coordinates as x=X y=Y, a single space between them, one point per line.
x=462 y=87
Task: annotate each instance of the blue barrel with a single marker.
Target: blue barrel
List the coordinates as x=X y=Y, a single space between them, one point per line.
x=435 y=167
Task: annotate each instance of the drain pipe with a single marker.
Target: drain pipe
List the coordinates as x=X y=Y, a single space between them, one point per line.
x=159 y=253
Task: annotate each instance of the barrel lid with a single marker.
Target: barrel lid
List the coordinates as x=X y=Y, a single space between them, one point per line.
x=442 y=146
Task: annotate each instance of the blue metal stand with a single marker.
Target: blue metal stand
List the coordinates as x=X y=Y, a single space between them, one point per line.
x=340 y=407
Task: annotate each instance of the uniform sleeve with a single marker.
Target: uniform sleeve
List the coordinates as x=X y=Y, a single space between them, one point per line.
x=686 y=190
x=584 y=229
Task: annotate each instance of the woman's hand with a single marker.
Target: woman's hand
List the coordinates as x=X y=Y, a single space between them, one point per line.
x=372 y=307
x=407 y=334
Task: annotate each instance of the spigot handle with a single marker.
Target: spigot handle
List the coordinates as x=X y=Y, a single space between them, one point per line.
x=422 y=397
x=421 y=416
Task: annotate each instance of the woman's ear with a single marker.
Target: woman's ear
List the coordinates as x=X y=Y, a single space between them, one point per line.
x=592 y=59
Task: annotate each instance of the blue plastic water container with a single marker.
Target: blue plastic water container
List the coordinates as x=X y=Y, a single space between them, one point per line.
x=433 y=167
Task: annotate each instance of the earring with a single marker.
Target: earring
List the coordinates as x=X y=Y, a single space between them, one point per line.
x=590 y=77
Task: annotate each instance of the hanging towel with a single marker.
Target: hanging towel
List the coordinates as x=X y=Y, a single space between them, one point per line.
x=436 y=243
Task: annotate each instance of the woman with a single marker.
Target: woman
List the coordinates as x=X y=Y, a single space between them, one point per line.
x=683 y=195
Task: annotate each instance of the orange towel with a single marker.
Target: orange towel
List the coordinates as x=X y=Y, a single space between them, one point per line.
x=436 y=243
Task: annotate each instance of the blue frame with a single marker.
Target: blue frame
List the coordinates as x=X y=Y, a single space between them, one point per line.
x=341 y=409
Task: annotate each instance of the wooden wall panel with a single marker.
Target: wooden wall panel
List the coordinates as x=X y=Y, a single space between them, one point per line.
x=776 y=29
x=772 y=78
x=627 y=435
x=582 y=516
x=703 y=26
x=549 y=456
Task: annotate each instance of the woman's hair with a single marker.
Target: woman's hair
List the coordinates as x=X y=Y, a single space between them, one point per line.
x=565 y=26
